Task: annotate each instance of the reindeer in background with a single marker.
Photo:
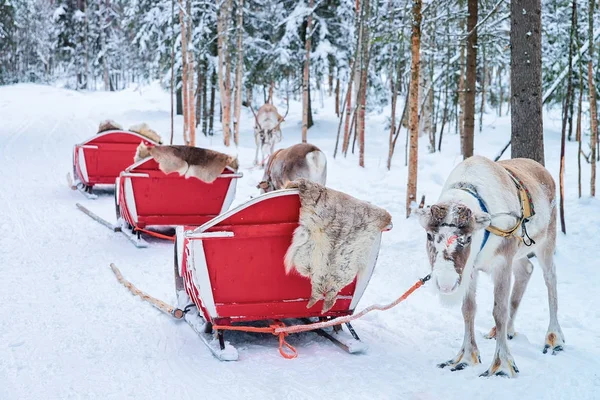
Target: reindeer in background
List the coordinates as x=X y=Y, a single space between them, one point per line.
x=267 y=130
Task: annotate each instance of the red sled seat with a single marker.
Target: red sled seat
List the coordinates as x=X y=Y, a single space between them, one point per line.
x=232 y=267
x=100 y=159
x=147 y=196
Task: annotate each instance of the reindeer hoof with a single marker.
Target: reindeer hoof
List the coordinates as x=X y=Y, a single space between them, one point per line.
x=460 y=362
x=502 y=367
x=554 y=341
x=555 y=349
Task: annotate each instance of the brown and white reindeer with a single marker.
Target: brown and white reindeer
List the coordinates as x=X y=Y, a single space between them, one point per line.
x=301 y=160
x=267 y=131
x=493 y=217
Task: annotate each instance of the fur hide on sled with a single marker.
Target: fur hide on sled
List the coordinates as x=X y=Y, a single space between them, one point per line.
x=196 y=162
x=144 y=130
x=333 y=242
x=109 y=125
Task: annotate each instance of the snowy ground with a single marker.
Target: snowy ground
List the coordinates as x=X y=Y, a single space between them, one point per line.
x=68 y=330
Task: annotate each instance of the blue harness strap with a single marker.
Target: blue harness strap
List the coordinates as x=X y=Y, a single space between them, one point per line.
x=471 y=190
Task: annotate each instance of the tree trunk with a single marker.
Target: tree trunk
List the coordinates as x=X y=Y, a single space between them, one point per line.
x=239 y=71
x=184 y=74
x=306 y=76
x=199 y=87
x=567 y=106
x=179 y=97
x=483 y=88
x=411 y=187
x=346 y=141
x=362 y=93
x=526 y=76
x=205 y=99
x=593 y=107
x=461 y=93
x=172 y=69
x=191 y=80
x=213 y=94
x=223 y=67
x=470 y=84
x=337 y=97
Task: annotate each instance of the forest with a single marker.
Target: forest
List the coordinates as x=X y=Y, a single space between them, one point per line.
x=441 y=64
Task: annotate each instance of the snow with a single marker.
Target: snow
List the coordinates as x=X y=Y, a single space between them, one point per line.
x=69 y=330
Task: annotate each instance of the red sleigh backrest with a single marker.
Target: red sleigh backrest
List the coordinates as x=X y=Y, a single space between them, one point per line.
x=172 y=194
x=109 y=153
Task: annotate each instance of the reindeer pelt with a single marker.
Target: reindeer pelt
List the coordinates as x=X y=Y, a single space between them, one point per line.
x=334 y=239
x=144 y=130
x=108 y=125
x=203 y=164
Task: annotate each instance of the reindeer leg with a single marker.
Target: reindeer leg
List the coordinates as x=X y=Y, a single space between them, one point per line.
x=503 y=363
x=522 y=270
x=469 y=353
x=257 y=146
x=555 y=339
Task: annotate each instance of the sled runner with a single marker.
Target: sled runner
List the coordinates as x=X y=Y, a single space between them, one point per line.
x=145 y=196
x=231 y=270
x=100 y=159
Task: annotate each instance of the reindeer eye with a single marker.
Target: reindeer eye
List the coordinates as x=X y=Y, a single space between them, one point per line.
x=465 y=240
x=429 y=237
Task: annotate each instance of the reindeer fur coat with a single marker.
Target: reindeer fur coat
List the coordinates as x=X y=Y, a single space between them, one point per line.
x=333 y=242
x=196 y=162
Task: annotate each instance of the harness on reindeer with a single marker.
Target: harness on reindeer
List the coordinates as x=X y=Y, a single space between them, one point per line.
x=527 y=211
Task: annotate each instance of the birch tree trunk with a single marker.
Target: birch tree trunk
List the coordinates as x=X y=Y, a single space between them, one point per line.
x=362 y=94
x=470 y=84
x=239 y=71
x=184 y=73
x=191 y=77
x=306 y=75
x=593 y=106
x=411 y=187
x=213 y=95
x=526 y=76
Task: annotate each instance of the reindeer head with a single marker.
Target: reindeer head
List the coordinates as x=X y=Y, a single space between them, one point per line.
x=450 y=227
x=142 y=151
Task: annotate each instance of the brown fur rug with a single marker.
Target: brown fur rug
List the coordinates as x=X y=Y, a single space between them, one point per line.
x=333 y=243
x=108 y=125
x=196 y=162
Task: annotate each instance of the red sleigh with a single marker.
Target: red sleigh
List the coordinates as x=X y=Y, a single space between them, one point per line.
x=100 y=159
x=146 y=196
x=231 y=270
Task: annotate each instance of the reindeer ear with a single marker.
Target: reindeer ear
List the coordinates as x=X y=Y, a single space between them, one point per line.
x=481 y=220
x=424 y=215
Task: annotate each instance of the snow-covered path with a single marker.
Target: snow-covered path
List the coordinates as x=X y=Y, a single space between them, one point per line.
x=69 y=330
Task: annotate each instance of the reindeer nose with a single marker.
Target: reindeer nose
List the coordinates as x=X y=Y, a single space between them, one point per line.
x=451 y=240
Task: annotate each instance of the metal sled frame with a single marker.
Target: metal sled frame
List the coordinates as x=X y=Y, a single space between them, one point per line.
x=230 y=270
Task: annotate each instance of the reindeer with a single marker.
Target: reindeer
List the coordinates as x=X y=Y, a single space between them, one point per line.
x=267 y=130
x=301 y=160
x=493 y=217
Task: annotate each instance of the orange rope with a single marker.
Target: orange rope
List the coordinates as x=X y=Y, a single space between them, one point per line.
x=293 y=353
x=155 y=234
x=281 y=330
